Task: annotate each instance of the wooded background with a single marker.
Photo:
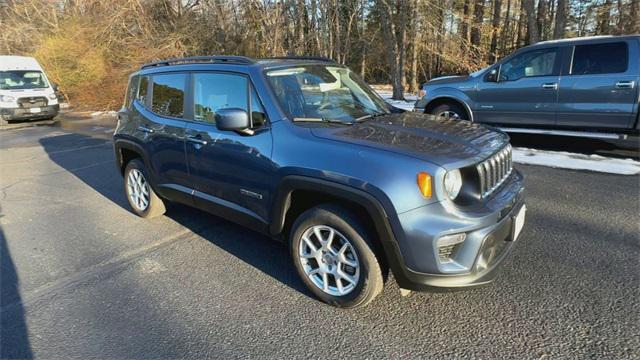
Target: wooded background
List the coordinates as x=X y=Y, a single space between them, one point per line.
x=89 y=47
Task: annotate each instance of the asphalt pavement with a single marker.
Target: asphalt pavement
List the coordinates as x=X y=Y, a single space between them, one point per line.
x=83 y=277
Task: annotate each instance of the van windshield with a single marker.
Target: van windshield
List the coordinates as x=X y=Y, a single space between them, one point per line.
x=22 y=79
x=329 y=93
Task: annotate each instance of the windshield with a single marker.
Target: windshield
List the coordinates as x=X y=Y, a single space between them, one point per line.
x=324 y=92
x=22 y=79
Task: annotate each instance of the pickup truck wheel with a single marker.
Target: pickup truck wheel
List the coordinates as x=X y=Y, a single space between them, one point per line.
x=142 y=199
x=335 y=258
x=449 y=111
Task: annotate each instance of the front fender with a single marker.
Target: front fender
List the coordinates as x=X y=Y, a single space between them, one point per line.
x=445 y=93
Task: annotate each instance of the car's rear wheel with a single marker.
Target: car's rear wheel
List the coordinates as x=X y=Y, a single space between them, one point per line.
x=142 y=199
x=450 y=111
x=335 y=258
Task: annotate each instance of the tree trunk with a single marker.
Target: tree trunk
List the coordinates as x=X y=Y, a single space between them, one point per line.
x=604 y=18
x=415 y=41
x=561 y=19
x=394 y=53
x=495 y=24
x=464 y=26
x=532 y=23
x=478 y=17
x=542 y=18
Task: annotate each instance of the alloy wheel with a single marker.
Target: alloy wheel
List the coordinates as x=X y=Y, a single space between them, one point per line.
x=329 y=260
x=138 y=189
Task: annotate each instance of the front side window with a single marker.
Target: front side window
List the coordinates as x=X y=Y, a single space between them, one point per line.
x=533 y=63
x=168 y=94
x=215 y=91
x=20 y=80
x=324 y=92
x=600 y=59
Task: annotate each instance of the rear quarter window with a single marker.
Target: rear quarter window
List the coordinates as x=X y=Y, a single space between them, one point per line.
x=606 y=58
x=132 y=90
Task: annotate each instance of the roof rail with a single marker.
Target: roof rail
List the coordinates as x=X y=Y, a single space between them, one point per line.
x=316 y=58
x=238 y=60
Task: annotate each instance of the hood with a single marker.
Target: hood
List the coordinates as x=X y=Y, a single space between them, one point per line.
x=448 y=79
x=448 y=143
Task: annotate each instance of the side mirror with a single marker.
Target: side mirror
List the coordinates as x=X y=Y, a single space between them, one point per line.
x=492 y=76
x=232 y=119
x=54 y=86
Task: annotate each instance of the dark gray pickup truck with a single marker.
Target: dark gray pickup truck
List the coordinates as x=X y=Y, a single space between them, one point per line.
x=583 y=85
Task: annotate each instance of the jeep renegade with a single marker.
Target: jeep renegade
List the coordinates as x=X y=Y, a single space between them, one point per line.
x=302 y=150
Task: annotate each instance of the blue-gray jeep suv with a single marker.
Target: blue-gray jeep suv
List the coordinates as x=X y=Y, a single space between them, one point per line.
x=304 y=151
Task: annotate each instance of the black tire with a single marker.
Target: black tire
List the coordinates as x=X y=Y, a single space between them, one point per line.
x=156 y=205
x=371 y=279
x=451 y=107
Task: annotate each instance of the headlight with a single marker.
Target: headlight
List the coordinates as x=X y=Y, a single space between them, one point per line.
x=452 y=183
x=7 y=98
x=52 y=96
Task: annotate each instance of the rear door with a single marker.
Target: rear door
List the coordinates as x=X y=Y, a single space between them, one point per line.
x=525 y=91
x=158 y=114
x=600 y=88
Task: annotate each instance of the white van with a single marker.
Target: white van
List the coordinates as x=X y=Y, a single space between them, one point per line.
x=25 y=91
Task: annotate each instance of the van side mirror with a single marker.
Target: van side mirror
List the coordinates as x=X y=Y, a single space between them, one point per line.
x=232 y=119
x=54 y=86
x=492 y=76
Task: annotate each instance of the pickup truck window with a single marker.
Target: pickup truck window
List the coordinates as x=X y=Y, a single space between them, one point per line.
x=533 y=63
x=600 y=59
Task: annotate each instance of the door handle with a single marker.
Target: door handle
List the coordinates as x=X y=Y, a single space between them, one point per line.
x=145 y=129
x=196 y=140
x=550 y=86
x=625 y=84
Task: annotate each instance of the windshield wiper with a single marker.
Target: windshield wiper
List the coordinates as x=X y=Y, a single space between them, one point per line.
x=370 y=116
x=325 y=120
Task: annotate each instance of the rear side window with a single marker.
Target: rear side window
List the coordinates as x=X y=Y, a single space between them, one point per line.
x=168 y=94
x=600 y=59
x=143 y=87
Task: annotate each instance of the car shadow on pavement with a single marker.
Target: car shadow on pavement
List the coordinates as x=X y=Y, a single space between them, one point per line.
x=14 y=338
x=94 y=164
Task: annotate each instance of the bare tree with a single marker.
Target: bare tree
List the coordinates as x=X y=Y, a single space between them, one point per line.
x=561 y=19
x=532 y=23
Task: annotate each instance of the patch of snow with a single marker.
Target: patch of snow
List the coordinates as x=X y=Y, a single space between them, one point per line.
x=407 y=104
x=107 y=113
x=566 y=160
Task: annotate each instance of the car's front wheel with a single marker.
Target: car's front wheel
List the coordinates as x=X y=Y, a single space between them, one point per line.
x=335 y=258
x=143 y=200
x=450 y=111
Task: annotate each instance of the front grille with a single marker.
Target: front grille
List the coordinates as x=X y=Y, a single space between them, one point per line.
x=493 y=171
x=32 y=102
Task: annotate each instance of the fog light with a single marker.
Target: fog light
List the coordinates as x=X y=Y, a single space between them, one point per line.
x=448 y=245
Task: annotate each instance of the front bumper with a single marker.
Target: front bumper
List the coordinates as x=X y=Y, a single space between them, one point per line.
x=45 y=112
x=489 y=238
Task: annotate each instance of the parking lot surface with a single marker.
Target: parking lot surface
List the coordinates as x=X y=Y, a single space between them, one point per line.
x=83 y=277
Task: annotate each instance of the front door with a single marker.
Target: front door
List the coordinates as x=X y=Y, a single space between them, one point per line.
x=524 y=93
x=600 y=90
x=231 y=172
